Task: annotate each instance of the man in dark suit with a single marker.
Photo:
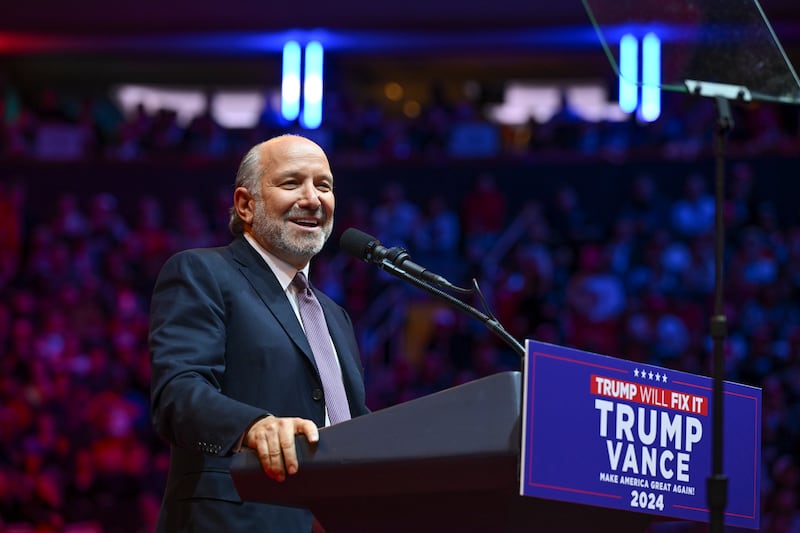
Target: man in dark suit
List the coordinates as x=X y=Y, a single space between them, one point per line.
x=232 y=366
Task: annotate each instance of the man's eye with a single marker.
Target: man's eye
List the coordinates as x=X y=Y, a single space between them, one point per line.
x=325 y=187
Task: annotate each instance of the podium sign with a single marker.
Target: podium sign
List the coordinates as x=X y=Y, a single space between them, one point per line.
x=618 y=434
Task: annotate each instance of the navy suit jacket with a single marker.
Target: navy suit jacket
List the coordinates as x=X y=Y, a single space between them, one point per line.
x=226 y=349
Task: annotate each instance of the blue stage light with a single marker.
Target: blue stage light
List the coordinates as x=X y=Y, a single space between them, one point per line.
x=290 y=82
x=628 y=73
x=650 y=109
x=312 y=86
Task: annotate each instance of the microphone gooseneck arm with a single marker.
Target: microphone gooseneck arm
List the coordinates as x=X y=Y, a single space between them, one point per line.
x=399 y=258
x=491 y=323
x=396 y=262
x=370 y=250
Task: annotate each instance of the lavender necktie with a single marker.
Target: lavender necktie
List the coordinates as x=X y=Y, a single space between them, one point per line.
x=320 y=340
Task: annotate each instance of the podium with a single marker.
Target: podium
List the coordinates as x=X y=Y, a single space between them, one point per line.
x=447 y=462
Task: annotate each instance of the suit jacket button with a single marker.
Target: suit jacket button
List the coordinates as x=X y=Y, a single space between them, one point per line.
x=316 y=394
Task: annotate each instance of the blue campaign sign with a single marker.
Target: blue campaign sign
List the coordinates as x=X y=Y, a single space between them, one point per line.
x=614 y=433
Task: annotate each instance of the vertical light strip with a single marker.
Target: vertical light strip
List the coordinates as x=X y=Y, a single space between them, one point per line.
x=650 y=109
x=628 y=73
x=312 y=86
x=290 y=83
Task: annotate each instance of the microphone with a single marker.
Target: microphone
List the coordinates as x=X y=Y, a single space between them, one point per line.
x=370 y=250
x=395 y=261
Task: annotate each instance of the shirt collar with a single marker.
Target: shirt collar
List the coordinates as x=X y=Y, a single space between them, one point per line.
x=282 y=270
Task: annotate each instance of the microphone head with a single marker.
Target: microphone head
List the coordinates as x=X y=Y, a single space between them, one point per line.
x=358 y=244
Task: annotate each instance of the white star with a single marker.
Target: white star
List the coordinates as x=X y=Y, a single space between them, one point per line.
x=658 y=376
x=636 y=372
x=650 y=375
x=664 y=378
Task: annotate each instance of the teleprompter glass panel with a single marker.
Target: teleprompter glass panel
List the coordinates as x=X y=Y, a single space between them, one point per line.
x=703 y=43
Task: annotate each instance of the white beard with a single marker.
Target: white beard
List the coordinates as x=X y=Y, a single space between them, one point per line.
x=278 y=235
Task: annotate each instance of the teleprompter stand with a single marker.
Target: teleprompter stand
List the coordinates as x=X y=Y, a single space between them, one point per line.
x=720 y=49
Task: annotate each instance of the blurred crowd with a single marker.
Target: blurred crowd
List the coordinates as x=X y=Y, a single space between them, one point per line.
x=51 y=124
x=78 y=451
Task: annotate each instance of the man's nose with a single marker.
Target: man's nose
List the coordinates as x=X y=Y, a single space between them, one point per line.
x=309 y=196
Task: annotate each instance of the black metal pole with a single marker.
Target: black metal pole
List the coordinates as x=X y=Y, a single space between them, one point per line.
x=717 y=483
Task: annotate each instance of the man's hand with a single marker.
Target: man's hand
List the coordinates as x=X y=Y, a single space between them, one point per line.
x=273 y=439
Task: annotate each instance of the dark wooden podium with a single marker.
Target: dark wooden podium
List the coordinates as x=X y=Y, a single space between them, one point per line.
x=448 y=462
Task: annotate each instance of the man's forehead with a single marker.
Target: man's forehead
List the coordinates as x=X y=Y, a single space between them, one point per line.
x=290 y=153
x=290 y=143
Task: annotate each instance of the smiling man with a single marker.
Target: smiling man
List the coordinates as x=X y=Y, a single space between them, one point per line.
x=245 y=353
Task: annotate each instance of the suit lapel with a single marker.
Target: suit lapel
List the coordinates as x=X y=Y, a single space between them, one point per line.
x=266 y=285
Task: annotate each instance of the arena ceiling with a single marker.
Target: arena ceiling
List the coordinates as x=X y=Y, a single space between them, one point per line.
x=129 y=16
x=236 y=41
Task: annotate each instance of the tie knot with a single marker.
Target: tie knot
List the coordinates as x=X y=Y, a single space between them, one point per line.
x=300 y=282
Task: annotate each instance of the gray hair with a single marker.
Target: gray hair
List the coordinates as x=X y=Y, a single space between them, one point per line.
x=248 y=177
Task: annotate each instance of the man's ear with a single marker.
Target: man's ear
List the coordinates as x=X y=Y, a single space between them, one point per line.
x=244 y=203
